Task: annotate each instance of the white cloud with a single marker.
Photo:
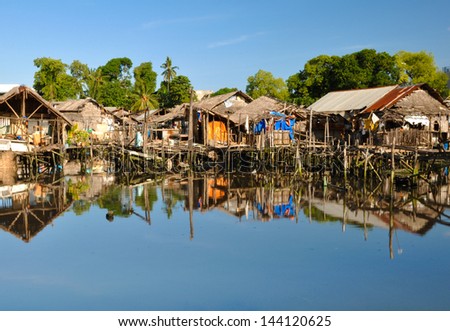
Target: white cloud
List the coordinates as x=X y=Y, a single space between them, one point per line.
x=175 y=21
x=237 y=40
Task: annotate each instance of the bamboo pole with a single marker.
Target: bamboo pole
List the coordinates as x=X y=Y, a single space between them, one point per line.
x=393 y=161
x=191 y=130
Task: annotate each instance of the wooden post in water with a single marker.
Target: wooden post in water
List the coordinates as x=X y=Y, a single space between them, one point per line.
x=393 y=161
x=191 y=131
x=345 y=164
x=310 y=128
x=416 y=166
x=145 y=133
x=366 y=159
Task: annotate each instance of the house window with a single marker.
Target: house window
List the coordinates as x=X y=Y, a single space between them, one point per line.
x=436 y=126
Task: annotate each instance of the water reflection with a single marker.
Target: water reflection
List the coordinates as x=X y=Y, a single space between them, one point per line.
x=27 y=208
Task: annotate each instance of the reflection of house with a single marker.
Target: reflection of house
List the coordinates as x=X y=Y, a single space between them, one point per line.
x=26 y=209
x=89 y=115
x=411 y=213
x=26 y=117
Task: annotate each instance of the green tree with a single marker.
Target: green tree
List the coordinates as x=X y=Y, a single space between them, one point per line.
x=180 y=92
x=169 y=72
x=53 y=82
x=224 y=90
x=420 y=67
x=144 y=87
x=80 y=72
x=325 y=73
x=144 y=99
x=264 y=83
x=94 y=82
x=118 y=69
x=116 y=90
x=145 y=77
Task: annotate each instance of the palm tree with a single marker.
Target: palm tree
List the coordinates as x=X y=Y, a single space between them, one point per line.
x=169 y=72
x=145 y=99
x=94 y=82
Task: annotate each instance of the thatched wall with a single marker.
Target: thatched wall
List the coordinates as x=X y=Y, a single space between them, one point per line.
x=8 y=168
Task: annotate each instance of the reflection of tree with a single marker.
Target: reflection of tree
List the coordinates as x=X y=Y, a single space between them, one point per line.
x=76 y=189
x=112 y=201
x=171 y=198
x=319 y=216
x=79 y=207
x=151 y=194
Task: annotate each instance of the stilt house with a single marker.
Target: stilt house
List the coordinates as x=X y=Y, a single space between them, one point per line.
x=25 y=117
x=213 y=115
x=90 y=116
x=267 y=122
x=415 y=115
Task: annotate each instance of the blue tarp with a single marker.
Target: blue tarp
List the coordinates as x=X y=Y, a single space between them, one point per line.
x=260 y=127
x=286 y=209
x=286 y=125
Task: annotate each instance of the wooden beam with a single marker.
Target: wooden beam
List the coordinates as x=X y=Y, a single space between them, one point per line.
x=35 y=110
x=12 y=109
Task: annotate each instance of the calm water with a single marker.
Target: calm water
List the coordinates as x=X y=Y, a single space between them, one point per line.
x=221 y=244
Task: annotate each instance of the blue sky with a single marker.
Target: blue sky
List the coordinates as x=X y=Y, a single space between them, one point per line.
x=215 y=43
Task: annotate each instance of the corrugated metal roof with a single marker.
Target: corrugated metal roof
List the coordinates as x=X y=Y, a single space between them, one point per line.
x=391 y=98
x=396 y=97
x=339 y=102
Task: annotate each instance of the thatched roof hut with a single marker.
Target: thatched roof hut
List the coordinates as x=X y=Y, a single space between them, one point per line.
x=223 y=105
x=26 y=116
x=263 y=108
x=176 y=113
x=22 y=101
x=88 y=113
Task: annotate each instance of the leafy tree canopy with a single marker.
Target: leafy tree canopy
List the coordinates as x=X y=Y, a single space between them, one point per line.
x=264 y=83
x=325 y=73
x=145 y=77
x=224 y=90
x=114 y=94
x=118 y=69
x=116 y=88
x=416 y=68
x=53 y=82
x=180 y=92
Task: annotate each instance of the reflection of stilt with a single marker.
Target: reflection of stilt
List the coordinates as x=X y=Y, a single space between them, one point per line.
x=147 y=206
x=391 y=218
x=309 y=201
x=344 y=209
x=391 y=235
x=191 y=203
x=365 y=224
x=297 y=204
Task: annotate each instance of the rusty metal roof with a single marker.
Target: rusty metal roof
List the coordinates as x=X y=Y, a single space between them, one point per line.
x=396 y=95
